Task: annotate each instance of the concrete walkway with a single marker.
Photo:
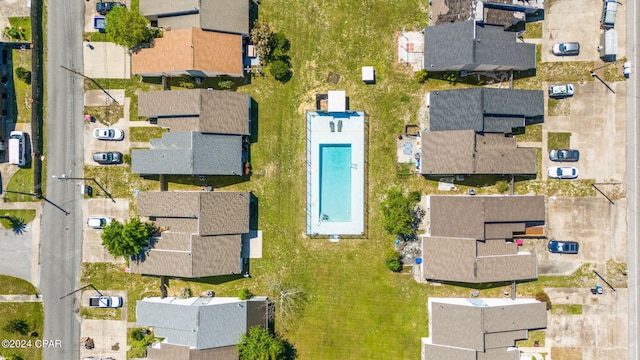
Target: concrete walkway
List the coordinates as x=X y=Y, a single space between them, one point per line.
x=20 y=298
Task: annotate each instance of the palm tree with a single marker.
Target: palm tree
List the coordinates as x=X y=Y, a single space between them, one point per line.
x=17 y=224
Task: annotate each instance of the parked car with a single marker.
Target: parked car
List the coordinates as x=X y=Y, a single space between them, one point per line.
x=566 y=49
x=563 y=247
x=562 y=172
x=103 y=7
x=99 y=222
x=108 y=134
x=560 y=91
x=564 y=155
x=105 y=301
x=110 y=157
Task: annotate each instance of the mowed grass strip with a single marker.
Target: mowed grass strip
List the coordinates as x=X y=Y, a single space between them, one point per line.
x=33 y=314
x=26 y=215
x=10 y=285
x=21 y=182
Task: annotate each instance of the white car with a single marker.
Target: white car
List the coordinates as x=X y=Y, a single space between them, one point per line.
x=99 y=222
x=560 y=91
x=562 y=172
x=108 y=134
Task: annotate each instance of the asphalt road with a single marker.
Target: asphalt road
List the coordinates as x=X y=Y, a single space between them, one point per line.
x=632 y=179
x=61 y=235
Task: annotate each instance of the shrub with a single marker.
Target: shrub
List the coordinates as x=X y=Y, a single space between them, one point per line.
x=280 y=71
x=503 y=186
x=187 y=82
x=138 y=334
x=225 y=84
x=281 y=45
x=393 y=261
x=245 y=294
x=126 y=158
x=19 y=326
x=544 y=297
x=399 y=217
x=451 y=77
x=185 y=293
x=23 y=74
x=421 y=76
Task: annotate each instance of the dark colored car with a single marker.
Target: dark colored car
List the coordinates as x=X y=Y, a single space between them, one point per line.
x=104 y=7
x=563 y=247
x=564 y=155
x=111 y=157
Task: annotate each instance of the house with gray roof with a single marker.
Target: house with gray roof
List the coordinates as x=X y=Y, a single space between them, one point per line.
x=229 y=16
x=475 y=328
x=465 y=152
x=200 y=328
x=470 y=239
x=201 y=233
x=485 y=110
x=472 y=46
x=190 y=153
x=511 y=14
x=201 y=110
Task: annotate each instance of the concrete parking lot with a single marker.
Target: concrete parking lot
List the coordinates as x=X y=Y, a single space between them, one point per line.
x=597 y=123
x=579 y=21
x=92 y=249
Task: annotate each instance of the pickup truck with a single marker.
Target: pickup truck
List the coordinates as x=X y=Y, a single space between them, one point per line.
x=105 y=301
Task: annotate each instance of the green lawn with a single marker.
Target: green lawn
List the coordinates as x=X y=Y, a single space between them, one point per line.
x=107 y=115
x=145 y=133
x=22 y=182
x=533 y=30
x=22 y=58
x=533 y=133
x=566 y=309
x=25 y=23
x=559 y=140
x=27 y=215
x=100 y=314
x=10 y=285
x=533 y=336
x=33 y=314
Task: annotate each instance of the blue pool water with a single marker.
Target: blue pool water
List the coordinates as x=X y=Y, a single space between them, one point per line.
x=335 y=182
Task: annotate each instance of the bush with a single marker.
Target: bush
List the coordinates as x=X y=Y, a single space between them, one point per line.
x=23 y=74
x=225 y=84
x=126 y=158
x=185 y=293
x=503 y=186
x=245 y=294
x=138 y=334
x=393 y=261
x=399 y=217
x=17 y=326
x=421 y=76
x=280 y=71
x=187 y=82
x=544 y=297
x=281 y=45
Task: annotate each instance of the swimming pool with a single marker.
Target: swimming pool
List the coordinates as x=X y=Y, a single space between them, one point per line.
x=335 y=182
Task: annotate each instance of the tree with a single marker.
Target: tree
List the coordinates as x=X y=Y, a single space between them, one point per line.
x=17 y=326
x=127 y=27
x=244 y=294
x=280 y=45
x=398 y=214
x=260 y=344
x=17 y=224
x=23 y=74
x=127 y=239
x=280 y=71
x=393 y=261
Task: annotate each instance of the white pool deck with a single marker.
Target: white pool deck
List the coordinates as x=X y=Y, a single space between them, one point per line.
x=319 y=132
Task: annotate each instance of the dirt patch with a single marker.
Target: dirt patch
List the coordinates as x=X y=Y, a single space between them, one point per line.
x=567 y=353
x=559 y=107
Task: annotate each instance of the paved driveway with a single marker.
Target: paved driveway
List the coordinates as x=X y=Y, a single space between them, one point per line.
x=109 y=336
x=92 y=249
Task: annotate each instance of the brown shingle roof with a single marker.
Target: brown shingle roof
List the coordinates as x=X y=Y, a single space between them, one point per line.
x=207 y=111
x=205 y=213
x=466 y=152
x=195 y=50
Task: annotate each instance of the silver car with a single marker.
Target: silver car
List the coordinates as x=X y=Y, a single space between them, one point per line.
x=566 y=49
x=562 y=172
x=108 y=134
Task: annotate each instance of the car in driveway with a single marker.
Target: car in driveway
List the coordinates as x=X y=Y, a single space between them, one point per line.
x=562 y=172
x=560 y=91
x=563 y=247
x=566 y=49
x=99 y=222
x=564 y=155
x=109 y=157
x=103 y=7
x=108 y=134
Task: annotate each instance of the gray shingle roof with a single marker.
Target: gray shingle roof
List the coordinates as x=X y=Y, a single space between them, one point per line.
x=230 y=16
x=485 y=326
x=190 y=153
x=483 y=109
x=207 y=111
x=470 y=46
x=168 y=351
x=466 y=152
x=202 y=323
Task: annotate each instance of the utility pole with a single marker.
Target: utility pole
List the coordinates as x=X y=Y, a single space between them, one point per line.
x=93 y=81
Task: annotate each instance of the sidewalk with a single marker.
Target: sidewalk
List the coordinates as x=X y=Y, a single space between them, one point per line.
x=20 y=298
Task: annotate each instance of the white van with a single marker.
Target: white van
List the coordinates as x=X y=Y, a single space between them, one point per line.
x=17 y=154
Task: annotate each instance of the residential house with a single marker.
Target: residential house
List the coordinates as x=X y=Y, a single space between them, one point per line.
x=191 y=51
x=200 y=328
x=480 y=329
x=472 y=46
x=465 y=152
x=201 y=233
x=470 y=238
x=207 y=131
x=228 y=16
x=485 y=110
x=510 y=14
